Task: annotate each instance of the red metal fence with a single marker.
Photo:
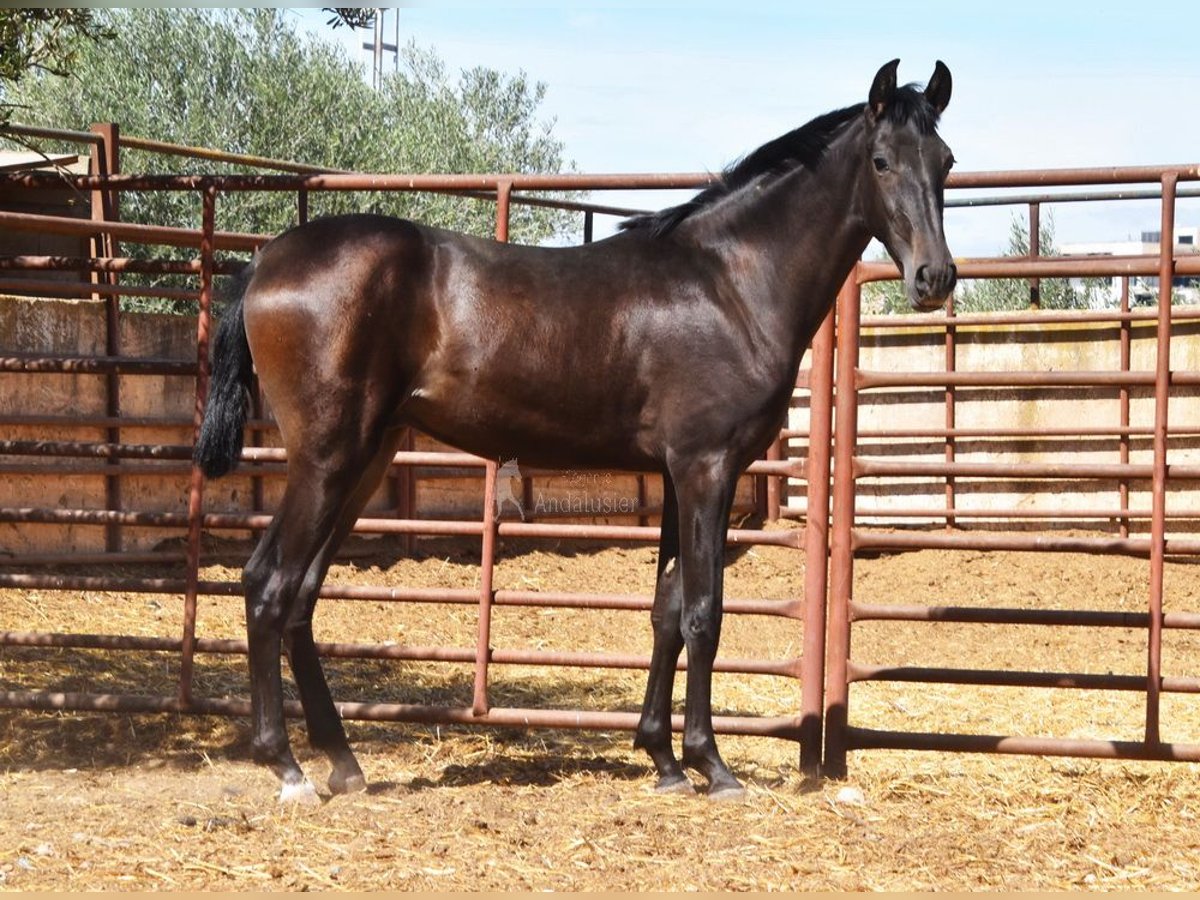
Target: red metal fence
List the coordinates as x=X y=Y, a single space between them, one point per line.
x=831 y=467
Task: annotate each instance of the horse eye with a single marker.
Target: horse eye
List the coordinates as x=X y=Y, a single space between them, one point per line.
x=881 y=164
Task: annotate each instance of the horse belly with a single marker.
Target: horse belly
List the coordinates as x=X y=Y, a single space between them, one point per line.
x=547 y=424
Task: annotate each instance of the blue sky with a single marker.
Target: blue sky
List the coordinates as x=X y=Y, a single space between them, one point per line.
x=690 y=87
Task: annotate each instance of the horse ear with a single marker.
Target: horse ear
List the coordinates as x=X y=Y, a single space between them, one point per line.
x=883 y=88
x=937 y=92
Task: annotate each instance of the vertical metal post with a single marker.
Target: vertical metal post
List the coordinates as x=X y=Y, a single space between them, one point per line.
x=401 y=484
x=487 y=562
x=816 y=546
x=588 y=225
x=106 y=160
x=951 y=409
x=483 y=650
x=1123 y=404
x=772 y=484
x=1158 y=514
x=301 y=206
x=196 y=484
x=1035 y=250
x=841 y=553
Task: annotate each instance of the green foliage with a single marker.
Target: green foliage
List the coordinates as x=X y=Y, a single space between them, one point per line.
x=996 y=294
x=245 y=81
x=42 y=40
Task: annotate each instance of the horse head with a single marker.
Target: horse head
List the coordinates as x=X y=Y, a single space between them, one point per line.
x=906 y=165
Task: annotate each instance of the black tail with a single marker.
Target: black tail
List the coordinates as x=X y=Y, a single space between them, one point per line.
x=221 y=433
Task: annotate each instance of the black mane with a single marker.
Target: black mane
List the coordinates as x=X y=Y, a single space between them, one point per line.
x=803 y=146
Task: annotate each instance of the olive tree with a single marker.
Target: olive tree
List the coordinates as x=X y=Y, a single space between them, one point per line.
x=247 y=81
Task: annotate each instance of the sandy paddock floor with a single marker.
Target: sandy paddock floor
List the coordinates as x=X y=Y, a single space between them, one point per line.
x=146 y=802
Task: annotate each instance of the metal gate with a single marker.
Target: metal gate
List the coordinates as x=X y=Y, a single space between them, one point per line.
x=829 y=462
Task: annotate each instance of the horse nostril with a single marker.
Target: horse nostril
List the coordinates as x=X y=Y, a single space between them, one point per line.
x=922 y=279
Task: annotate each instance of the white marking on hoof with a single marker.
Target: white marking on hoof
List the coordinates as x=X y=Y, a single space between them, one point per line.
x=300 y=793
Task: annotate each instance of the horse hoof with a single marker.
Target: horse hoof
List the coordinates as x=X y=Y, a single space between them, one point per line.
x=299 y=793
x=352 y=784
x=727 y=793
x=677 y=785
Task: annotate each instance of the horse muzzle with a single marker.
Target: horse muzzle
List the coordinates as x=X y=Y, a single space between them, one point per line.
x=932 y=284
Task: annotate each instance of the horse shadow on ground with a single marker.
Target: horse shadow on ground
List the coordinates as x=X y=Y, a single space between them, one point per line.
x=58 y=740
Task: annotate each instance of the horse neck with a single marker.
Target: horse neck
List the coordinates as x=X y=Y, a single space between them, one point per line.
x=790 y=242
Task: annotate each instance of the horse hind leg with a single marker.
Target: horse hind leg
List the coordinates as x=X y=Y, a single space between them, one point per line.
x=316 y=496
x=324 y=724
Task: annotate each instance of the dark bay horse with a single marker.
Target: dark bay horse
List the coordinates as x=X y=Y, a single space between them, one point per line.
x=670 y=347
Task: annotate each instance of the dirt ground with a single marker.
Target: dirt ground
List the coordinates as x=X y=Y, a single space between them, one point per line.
x=172 y=802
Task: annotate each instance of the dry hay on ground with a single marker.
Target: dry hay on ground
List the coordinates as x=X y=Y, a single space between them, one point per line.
x=95 y=801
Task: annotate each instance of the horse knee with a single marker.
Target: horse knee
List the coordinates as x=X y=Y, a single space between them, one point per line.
x=701 y=630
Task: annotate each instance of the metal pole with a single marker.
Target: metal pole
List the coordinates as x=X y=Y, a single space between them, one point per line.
x=816 y=546
x=483 y=650
x=196 y=483
x=487 y=561
x=841 y=558
x=951 y=409
x=106 y=160
x=1123 y=406
x=1158 y=523
x=1035 y=250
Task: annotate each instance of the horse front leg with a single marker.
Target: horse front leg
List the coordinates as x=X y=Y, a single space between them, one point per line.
x=705 y=487
x=654 y=727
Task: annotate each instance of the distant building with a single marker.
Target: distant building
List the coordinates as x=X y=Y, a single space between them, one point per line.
x=1143 y=290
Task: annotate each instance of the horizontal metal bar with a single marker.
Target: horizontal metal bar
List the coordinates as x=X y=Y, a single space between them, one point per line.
x=519 y=181
x=1028 y=433
x=1063 y=177
x=875 y=468
x=47 y=288
x=874 y=379
x=365 y=182
x=163 y=235
x=1011 y=513
x=871 y=739
x=54 y=134
x=1075 y=197
x=1043 y=267
x=385 y=594
x=1035 y=317
x=400 y=652
x=857 y=672
x=96 y=365
x=786 y=727
x=102 y=449
x=889 y=540
x=1088 y=618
